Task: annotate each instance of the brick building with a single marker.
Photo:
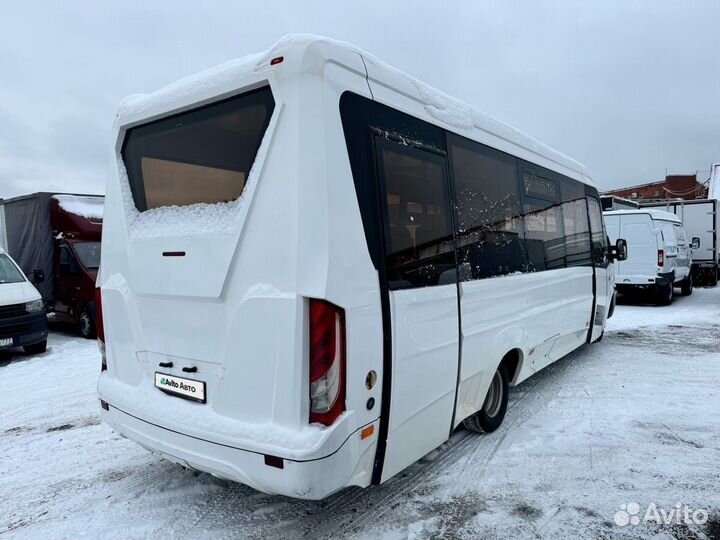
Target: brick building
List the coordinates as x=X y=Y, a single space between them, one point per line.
x=675 y=186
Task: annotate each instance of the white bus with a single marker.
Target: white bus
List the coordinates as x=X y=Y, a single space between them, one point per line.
x=315 y=268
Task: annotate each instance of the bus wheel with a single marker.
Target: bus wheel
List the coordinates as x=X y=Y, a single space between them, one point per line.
x=687 y=286
x=87 y=324
x=491 y=415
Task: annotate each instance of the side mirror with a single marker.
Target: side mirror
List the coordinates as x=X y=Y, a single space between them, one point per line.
x=695 y=242
x=619 y=251
x=38 y=276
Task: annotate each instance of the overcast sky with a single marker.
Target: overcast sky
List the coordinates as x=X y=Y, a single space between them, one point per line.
x=627 y=88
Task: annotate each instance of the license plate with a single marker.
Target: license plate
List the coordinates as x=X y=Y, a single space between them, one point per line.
x=180 y=387
x=6 y=342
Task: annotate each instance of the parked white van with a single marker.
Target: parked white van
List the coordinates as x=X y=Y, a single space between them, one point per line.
x=315 y=267
x=658 y=252
x=23 y=322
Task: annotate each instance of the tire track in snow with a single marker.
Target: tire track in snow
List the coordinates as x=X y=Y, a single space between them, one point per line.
x=483 y=447
x=232 y=512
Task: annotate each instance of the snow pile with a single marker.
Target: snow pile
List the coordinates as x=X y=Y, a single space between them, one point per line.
x=80 y=205
x=714 y=186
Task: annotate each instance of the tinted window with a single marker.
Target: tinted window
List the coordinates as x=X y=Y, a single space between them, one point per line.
x=68 y=264
x=599 y=237
x=201 y=156
x=418 y=225
x=488 y=208
x=575 y=223
x=89 y=254
x=544 y=234
x=540 y=186
x=8 y=271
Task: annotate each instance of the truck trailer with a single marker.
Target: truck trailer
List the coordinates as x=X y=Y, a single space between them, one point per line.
x=55 y=239
x=700 y=219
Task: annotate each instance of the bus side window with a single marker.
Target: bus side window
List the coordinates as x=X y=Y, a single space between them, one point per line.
x=418 y=225
x=575 y=221
x=599 y=237
x=488 y=206
x=544 y=231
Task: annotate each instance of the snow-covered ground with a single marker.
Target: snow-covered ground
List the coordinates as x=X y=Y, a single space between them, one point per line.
x=633 y=419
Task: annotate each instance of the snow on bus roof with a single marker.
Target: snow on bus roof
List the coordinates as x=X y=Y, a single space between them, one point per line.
x=219 y=79
x=82 y=205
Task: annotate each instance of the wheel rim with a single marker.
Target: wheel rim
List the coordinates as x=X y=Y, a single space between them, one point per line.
x=84 y=324
x=494 y=398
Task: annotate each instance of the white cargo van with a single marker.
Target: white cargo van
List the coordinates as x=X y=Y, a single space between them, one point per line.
x=23 y=322
x=315 y=267
x=658 y=252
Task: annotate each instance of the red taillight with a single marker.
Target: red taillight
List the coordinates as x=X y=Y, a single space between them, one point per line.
x=99 y=328
x=661 y=257
x=276 y=60
x=327 y=362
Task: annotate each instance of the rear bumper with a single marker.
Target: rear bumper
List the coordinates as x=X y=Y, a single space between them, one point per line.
x=642 y=281
x=25 y=329
x=315 y=479
x=314 y=465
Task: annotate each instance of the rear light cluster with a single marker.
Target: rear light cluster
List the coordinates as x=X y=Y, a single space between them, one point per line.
x=99 y=328
x=661 y=257
x=327 y=362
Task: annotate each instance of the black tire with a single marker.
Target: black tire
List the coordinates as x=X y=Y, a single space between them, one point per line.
x=713 y=277
x=86 y=323
x=489 y=418
x=665 y=294
x=611 y=310
x=36 y=348
x=687 y=286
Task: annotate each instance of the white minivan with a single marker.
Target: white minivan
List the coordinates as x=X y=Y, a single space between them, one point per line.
x=315 y=268
x=23 y=322
x=658 y=252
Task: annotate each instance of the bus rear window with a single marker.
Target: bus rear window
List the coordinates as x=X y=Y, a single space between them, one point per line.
x=200 y=156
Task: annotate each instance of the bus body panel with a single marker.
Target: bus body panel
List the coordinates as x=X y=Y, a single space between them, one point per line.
x=231 y=306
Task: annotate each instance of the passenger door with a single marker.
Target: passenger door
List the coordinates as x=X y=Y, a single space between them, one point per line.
x=421 y=278
x=604 y=277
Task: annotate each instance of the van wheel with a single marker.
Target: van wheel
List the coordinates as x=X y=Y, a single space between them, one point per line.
x=87 y=324
x=713 y=279
x=687 y=286
x=493 y=411
x=665 y=294
x=36 y=348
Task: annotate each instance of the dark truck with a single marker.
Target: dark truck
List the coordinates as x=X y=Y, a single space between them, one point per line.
x=55 y=239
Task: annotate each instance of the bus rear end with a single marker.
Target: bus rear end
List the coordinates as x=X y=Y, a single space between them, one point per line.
x=221 y=348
